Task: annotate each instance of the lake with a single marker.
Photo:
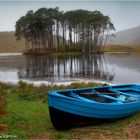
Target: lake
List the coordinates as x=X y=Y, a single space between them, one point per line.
x=114 y=68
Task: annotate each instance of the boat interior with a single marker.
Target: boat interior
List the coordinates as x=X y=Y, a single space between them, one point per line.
x=105 y=94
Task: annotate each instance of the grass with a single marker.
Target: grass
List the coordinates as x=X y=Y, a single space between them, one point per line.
x=72 y=53
x=52 y=53
x=121 y=48
x=29 y=117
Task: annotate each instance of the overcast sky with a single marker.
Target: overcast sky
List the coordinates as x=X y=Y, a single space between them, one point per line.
x=124 y=14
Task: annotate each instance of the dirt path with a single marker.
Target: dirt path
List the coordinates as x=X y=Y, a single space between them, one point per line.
x=129 y=132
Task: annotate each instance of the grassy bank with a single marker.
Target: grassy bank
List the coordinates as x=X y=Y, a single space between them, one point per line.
x=27 y=116
x=121 y=48
x=70 y=53
x=108 y=48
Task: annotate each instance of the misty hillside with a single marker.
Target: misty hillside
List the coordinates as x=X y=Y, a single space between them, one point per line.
x=126 y=37
x=8 y=43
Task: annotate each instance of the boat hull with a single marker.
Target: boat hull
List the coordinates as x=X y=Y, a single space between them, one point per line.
x=63 y=120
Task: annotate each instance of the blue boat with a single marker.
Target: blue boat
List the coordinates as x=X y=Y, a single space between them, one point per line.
x=82 y=106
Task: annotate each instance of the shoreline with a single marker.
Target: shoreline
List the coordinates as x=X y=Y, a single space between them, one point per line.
x=65 y=54
x=46 y=83
x=11 y=54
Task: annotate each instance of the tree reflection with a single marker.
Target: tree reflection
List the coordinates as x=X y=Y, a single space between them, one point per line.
x=54 y=68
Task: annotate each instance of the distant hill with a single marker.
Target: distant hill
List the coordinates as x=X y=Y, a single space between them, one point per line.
x=8 y=43
x=126 y=37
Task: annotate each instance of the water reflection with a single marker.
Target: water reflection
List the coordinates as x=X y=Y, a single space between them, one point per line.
x=56 y=69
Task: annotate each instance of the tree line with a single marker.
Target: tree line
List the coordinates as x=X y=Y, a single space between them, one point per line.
x=50 y=29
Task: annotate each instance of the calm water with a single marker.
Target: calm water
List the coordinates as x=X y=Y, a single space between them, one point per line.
x=112 y=68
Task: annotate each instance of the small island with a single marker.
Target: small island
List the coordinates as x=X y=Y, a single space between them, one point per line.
x=50 y=30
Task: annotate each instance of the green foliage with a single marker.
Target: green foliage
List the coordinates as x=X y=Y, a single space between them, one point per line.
x=74 y=48
x=30 y=92
x=26 y=90
x=87 y=30
x=3 y=94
